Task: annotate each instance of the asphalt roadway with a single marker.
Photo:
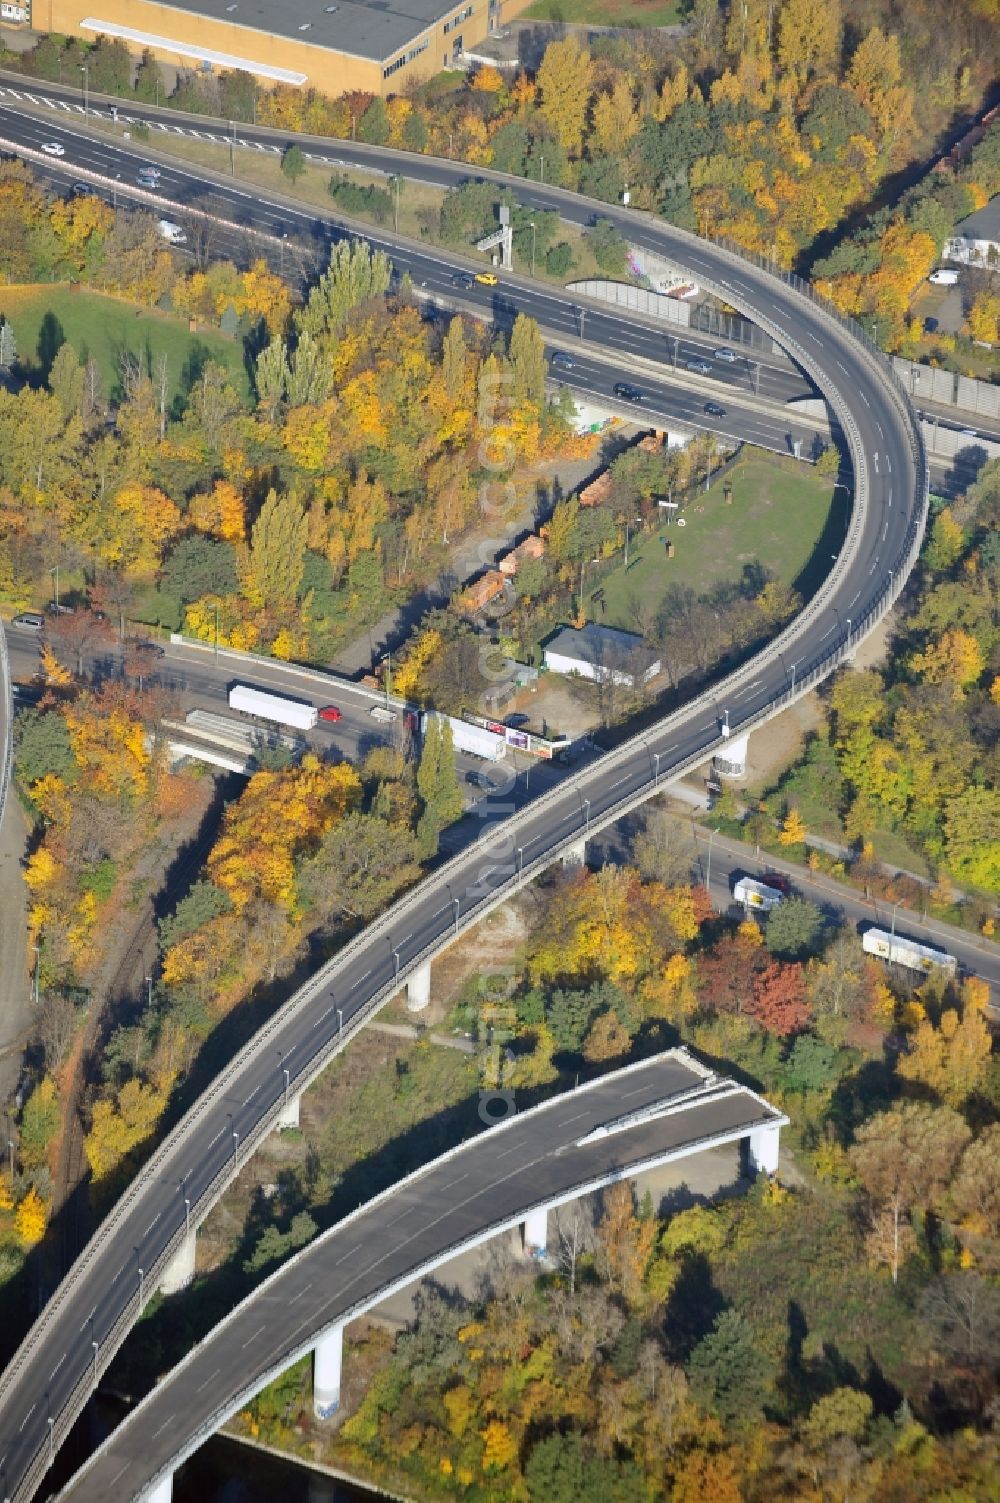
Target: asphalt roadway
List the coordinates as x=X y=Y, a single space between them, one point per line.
x=50 y=1377
x=487 y=1183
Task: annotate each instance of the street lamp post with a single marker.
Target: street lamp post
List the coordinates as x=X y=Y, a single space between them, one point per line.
x=520 y=860
x=140 y=1290
x=187 y=1215
x=149 y=992
x=96 y=1346
x=456 y=903
x=54 y=571
x=114 y=191
x=236 y=1146
x=340 y=1021
x=794 y=666
x=586 y=828
x=631 y=522
x=85 y=70
x=848 y=631
x=395 y=964
x=708 y=876
x=895 y=905
x=216 y=610
x=656 y=770
x=532 y=223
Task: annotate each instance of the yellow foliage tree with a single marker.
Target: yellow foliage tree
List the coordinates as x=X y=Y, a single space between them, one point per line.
x=117 y=1126
x=565 y=81
x=793 y=831
x=31 y=1218
x=952 y=1059
x=984 y=317
x=499 y=1447
x=956 y=658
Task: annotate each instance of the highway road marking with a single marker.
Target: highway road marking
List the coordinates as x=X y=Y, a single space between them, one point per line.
x=304 y=1290
x=637 y=1092
x=873 y=567
x=879 y=427
x=888 y=464
x=853 y=598
x=160 y=1431
x=843 y=367
x=620 y=782
x=885 y=529
x=827 y=633
x=26 y=1419
x=565 y=1121
x=259 y=1332
x=120 y=1473
x=211 y=1377
x=864 y=399
x=248 y=1100
x=513 y=1149
x=407 y=1212
x=58 y=1365
x=368 y=972
x=875 y=458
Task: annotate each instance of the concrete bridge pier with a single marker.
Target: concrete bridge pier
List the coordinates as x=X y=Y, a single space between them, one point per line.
x=762 y=1149
x=162 y=1491
x=575 y=854
x=289 y=1114
x=328 y=1358
x=535 y=1233
x=418 y=988
x=731 y=761
x=180 y=1270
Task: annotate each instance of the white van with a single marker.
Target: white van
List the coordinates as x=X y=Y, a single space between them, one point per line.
x=945 y=276
x=172 y=232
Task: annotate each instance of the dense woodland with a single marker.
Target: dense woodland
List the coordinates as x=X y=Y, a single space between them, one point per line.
x=832 y=1336
x=789 y=128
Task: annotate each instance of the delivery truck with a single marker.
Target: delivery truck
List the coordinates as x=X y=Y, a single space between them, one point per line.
x=274 y=707
x=756 y=897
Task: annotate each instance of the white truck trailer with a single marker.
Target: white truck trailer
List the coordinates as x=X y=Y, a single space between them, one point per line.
x=474 y=739
x=899 y=951
x=757 y=897
x=276 y=707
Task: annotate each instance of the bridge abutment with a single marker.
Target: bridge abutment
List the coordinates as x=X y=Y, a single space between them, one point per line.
x=535 y=1233
x=731 y=761
x=180 y=1270
x=575 y=854
x=762 y=1150
x=418 y=988
x=289 y=1114
x=328 y=1360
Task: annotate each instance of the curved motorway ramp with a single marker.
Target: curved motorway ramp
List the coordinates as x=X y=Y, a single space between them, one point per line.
x=572 y=1144
x=53 y=1373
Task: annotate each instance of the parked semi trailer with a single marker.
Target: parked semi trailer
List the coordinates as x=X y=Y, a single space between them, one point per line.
x=474 y=739
x=277 y=707
x=900 y=951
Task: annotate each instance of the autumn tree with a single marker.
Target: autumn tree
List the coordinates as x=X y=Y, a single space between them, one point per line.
x=527 y=359
x=904 y=1159
x=31 y=1218
x=809 y=36
x=950 y=1060
x=361 y=863
x=355 y=274
x=975 y=1190
x=625 y=1242
x=565 y=82
x=437 y=779
x=277 y=553
x=778 y=1000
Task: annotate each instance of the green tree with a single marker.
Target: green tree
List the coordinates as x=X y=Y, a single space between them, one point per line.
x=437 y=777
x=42 y=746
x=362 y=862
x=277 y=553
x=355 y=274
x=728 y=1370
x=972 y=837
x=202 y=903
x=39 y=1123
x=293 y=163
x=200 y=566
x=454 y=355
x=373 y=126
x=608 y=247
x=527 y=359
x=793 y=929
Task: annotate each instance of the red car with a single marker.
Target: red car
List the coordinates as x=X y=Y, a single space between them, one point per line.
x=330 y=712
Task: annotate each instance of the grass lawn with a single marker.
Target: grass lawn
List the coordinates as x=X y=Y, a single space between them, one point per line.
x=45 y=317
x=605 y=12
x=783 y=516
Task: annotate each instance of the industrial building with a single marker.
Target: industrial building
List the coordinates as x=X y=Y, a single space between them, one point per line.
x=976 y=240
x=332 y=45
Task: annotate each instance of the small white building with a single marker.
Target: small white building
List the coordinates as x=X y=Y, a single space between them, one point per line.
x=976 y=240
x=601 y=653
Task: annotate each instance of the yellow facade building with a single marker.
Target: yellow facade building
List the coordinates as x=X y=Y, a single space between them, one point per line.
x=332 y=45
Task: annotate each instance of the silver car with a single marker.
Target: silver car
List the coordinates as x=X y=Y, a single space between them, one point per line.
x=729 y=356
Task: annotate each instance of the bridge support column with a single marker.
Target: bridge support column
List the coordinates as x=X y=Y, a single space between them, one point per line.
x=418 y=988
x=289 y=1114
x=535 y=1231
x=762 y=1150
x=575 y=854
x=731 y=761
x=180 y=1270
x=162 y=1492
x=328 y=1359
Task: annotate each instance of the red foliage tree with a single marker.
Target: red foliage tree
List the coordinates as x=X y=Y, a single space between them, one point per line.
x=779 y=998
x=726 y=974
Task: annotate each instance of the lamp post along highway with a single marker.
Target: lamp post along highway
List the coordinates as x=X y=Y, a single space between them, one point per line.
x=85 y=70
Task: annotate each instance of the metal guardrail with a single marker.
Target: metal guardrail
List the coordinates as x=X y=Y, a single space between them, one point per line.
x=519 y=875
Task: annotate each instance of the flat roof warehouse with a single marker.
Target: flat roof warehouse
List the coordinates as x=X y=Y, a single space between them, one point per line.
x=372 y=29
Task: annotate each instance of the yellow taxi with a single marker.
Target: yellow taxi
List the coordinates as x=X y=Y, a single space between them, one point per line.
x=487 y=278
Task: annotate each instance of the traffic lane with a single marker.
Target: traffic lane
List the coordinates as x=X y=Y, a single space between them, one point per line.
x=842 y=904
x=781 y=381
x=494 y=1179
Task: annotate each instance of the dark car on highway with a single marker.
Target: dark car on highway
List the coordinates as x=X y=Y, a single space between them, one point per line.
x=462 y=279
x=626 y=392
x=560 y=361
x=701 y=366
x=715 y=409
